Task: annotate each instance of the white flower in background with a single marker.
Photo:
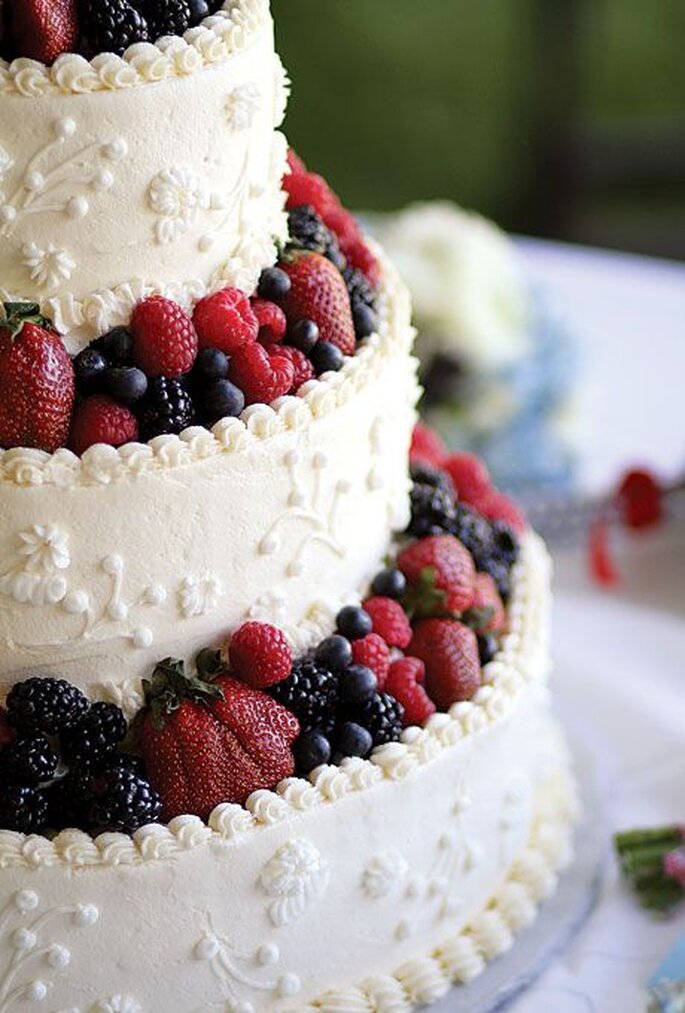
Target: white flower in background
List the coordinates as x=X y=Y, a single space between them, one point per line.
x=383 y=873
x=464 y=274
x=296 y=876
x=198 y=595
x=176 y=195
x=117 y=1004
x=241 y=106
x=45 y=548
x=48 y=267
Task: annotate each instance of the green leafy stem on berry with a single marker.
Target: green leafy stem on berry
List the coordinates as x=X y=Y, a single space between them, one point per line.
x=425 y=600
x=170 y=685
x=19 y=313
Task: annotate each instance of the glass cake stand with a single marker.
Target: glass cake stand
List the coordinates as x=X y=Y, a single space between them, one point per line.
x=560 y=917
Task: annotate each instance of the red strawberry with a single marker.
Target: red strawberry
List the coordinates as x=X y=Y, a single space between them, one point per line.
x=164 y=339
x=42 y=29
x=7 y=733
x=487 y=606
x=271 y=319
x=205 y=743
x=304 y=370
x=469 y=476
x=426 y=447
x=373 y=652
x=99 y=419
x=389 y=621
x=261 y=376
x=404 y=682
x=36 y=382
x=442 y=561
x=225 y=320
x=498 y=507
x=260 y=655
x=319 y=293
x=360 y=256
x=449 y=651
x=640 y=499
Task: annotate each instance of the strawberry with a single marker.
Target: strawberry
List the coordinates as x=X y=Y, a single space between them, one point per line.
x=225 y=320
x=318 y=292
x=99 y=419
x=469 y=476
x=303 y=368
x=441 y=564
x=486 y=614
x=260 y=655
x=7 y=733
x=373 y=652
x=207 y=743
x=449 y=651
x=497 y=507
x=426 y=447
x=36 y=381
x=404 y=682
x=42 y=29
x=272 y=321
x=389 y=621
x=640 y=499
x=261 y=376
x=164 y=338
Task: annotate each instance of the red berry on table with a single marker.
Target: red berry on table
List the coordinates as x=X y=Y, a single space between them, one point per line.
x=487 y=607
x=470 y=477
x=272 y=321
x=37 y=382
x=225 y=320
x=640 y=499
x=303 y=368
x=404 y=682
x=426 y=447
x=164 y=338
x=260 y=655
x=449 y=651
x=261 y=376
x=373 y=652
x=99 y=419
x=442 y=562
x=318 y=292
x=42 y=29
x=389 y=621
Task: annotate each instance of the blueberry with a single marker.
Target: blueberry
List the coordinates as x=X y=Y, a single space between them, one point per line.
x=304 y=335
x=364 y=321
x=221 y=399
x=353 y=740
x=311 y=750
x=353 y=622
x=389 y=583
x=274 y=284
x=199 y=9
x=126 y=384
x=487 y=648
x=211 y=364
x=334 y=653
x=326 y=357
x=117 y=346
x=358 y=683
x=89 y=367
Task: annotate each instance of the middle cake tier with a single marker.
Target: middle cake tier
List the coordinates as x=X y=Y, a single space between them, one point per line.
x=115 y=560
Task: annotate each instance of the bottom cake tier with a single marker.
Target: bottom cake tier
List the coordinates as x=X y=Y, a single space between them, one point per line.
x=371 y=887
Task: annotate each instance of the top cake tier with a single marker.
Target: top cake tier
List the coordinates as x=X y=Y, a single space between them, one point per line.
x=158 y=171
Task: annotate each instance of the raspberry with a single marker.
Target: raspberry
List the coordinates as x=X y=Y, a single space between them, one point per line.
x=498 y=507
x=295 y=164
x=373 y=652
x=303 y=368
x=308 y=188
x=442 y=564
x=99 y=419
x=360 y=257
x=226 y=321
x=469 y=476
x=640 y=499
x=402 y=683
x=260 y=655
x=426 y=447
x=487 y=606
x=389 y=621
x=272 y=321
x=164 y=338
x=343 y=224
x=449 y=651
x=261 y=377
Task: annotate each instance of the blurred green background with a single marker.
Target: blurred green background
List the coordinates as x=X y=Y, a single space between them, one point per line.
x=556 y=117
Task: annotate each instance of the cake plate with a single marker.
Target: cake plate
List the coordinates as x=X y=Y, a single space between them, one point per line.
x=560 y=917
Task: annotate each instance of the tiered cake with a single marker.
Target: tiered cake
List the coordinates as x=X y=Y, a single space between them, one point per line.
x=386 y=874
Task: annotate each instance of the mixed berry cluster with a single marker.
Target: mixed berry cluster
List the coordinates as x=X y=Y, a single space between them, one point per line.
x=62 y=764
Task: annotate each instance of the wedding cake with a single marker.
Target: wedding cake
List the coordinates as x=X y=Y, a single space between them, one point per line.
x=275 y=729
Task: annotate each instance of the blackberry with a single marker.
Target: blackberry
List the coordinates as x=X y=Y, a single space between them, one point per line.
x=311 y=692
x=90 y=744
x=166 y=17
x=475 y=533
x=381 y=715
x=166 y=408
x=432 y=510
x=123 y=801
x=28 y=761
x=45 y=705
x=363 y=302
x=308 y=232
x=423 y=475
x=110 y=26
x=505 y=542
x=22 y=809
x=68 y=800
